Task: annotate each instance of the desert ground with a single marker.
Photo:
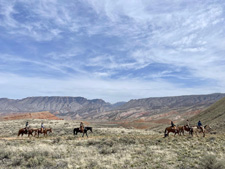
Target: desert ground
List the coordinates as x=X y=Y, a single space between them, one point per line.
x=109 y=146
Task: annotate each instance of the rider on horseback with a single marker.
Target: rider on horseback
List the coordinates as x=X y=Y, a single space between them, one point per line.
x=172 y=124
x=199 y=124
x=187 y=123
x=81 y=126
x=27 y=127
x=42 y=127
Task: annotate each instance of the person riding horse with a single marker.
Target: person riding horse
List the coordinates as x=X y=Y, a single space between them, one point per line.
x=82 y=127
x=172 y=124
x=199 y=124
x=26 y=127
x=42 y=127
x=188 y=124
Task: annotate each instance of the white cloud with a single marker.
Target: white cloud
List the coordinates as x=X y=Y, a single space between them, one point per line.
x=113 y=37
x=15 y=86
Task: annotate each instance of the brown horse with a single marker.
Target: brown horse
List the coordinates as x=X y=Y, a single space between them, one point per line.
x=36 y=131
x=25 y=131
x=187 y=128
x=181 y=130
x=45 y=131
x=174 y=130
x=196 y=130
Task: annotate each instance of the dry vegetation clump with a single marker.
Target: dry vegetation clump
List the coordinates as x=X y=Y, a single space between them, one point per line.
x=106 y=147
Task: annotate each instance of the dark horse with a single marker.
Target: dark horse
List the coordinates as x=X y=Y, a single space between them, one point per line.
x=88 y=128
x=174 y=130
x=77 y=130
x=25 y=131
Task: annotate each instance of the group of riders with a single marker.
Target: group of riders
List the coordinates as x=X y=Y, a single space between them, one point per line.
x=191 y=129
x=199 y=125
x=27 y=126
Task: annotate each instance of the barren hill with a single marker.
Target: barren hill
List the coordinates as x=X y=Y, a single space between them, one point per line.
x=214 y=116
x=176 y=108
x=36 y=115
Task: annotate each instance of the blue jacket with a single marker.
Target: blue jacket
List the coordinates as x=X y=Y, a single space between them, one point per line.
x=199 y=123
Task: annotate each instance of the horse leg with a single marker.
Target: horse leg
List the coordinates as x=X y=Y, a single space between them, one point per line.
x=83 y=134
x=86 y=134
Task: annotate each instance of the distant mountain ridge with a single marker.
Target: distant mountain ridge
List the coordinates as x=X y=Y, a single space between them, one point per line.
x=175 y=107
x=98 y=109
x=54 y=104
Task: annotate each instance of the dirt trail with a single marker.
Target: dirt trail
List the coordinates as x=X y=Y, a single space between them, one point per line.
x=13 y=138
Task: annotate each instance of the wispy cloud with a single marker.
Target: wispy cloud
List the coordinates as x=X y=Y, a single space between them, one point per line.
x=117 y=46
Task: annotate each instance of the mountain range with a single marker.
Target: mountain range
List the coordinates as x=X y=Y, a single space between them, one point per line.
x=176 y=107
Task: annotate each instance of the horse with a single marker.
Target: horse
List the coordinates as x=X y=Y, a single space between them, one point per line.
x=181 y=130
x=196 y=130
x=35 y=130
x=88 y=128
x=174 y=130
x=187 y=128
x=77 y=130
x=45 y=131
x=25 y=131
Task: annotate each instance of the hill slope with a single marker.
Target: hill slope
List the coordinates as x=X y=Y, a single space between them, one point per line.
x=214 y=115
x=178 y=107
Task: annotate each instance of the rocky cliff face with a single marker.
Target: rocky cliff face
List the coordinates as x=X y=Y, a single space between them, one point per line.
x=161 y=107
x=72 y=106
x=97 y=109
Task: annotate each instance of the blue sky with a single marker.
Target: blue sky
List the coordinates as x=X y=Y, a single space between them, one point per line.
x=114 y=50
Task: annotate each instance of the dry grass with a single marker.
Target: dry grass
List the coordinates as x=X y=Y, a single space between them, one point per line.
x=106 y=147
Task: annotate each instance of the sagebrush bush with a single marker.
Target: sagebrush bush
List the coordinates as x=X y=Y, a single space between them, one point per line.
x=5 y=154
x=17 y=161
x=210 y=162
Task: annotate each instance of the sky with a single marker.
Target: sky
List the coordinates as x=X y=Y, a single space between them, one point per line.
x=115 y=50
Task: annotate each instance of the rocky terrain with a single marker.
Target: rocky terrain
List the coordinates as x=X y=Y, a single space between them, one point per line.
x=176 y=108
x=149 y=109
x=75 y=107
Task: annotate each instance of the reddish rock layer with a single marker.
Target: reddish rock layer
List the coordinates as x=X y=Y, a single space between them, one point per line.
x=36 y=115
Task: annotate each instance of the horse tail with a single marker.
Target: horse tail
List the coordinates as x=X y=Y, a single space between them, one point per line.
x=74 y=131
x=18 y=133
x=165 y=133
